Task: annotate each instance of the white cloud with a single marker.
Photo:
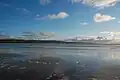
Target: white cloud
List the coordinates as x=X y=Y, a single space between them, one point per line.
x=97 y=3
x=84 y=23
x=44 y=2
x=46 y=35
x=98 y=17
x=60 y=15
x=105 y=32
x=6 y=4
x=37 y=15
x=24 y=10
x=110 y=33
x=75 y=1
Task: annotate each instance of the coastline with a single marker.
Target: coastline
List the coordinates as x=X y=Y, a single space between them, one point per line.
x=36 y=41
x=53 y=41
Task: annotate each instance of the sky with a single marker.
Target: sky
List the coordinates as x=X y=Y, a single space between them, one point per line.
x=62 y=17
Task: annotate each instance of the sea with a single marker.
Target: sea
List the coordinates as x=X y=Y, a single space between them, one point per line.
x=76 y=61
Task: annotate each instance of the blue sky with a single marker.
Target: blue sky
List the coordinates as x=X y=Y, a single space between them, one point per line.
x=63 y=17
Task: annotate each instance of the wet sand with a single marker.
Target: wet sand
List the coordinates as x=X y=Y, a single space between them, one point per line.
x=107 y=72
x=34 y=69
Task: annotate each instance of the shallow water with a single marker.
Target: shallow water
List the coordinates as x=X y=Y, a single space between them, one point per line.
x=89 y=58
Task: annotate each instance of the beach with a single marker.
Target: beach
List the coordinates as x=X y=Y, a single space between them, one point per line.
x=37 y=61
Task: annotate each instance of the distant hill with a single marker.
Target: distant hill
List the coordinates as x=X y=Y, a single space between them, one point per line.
x=28 y=41
x=36 y=41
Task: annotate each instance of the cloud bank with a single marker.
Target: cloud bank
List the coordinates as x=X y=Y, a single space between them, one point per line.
x=97 y=3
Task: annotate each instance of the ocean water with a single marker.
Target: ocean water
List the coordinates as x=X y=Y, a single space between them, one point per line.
x=84 y=61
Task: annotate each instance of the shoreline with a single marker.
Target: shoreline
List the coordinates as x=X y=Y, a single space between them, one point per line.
x=51 y=41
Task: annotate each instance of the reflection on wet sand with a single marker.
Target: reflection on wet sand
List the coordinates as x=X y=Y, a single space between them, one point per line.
x=34 y=69
x=108 y=72
x=39 y=62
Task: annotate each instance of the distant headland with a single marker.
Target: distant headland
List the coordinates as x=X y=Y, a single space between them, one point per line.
x=92 y=42
x=36 y=41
